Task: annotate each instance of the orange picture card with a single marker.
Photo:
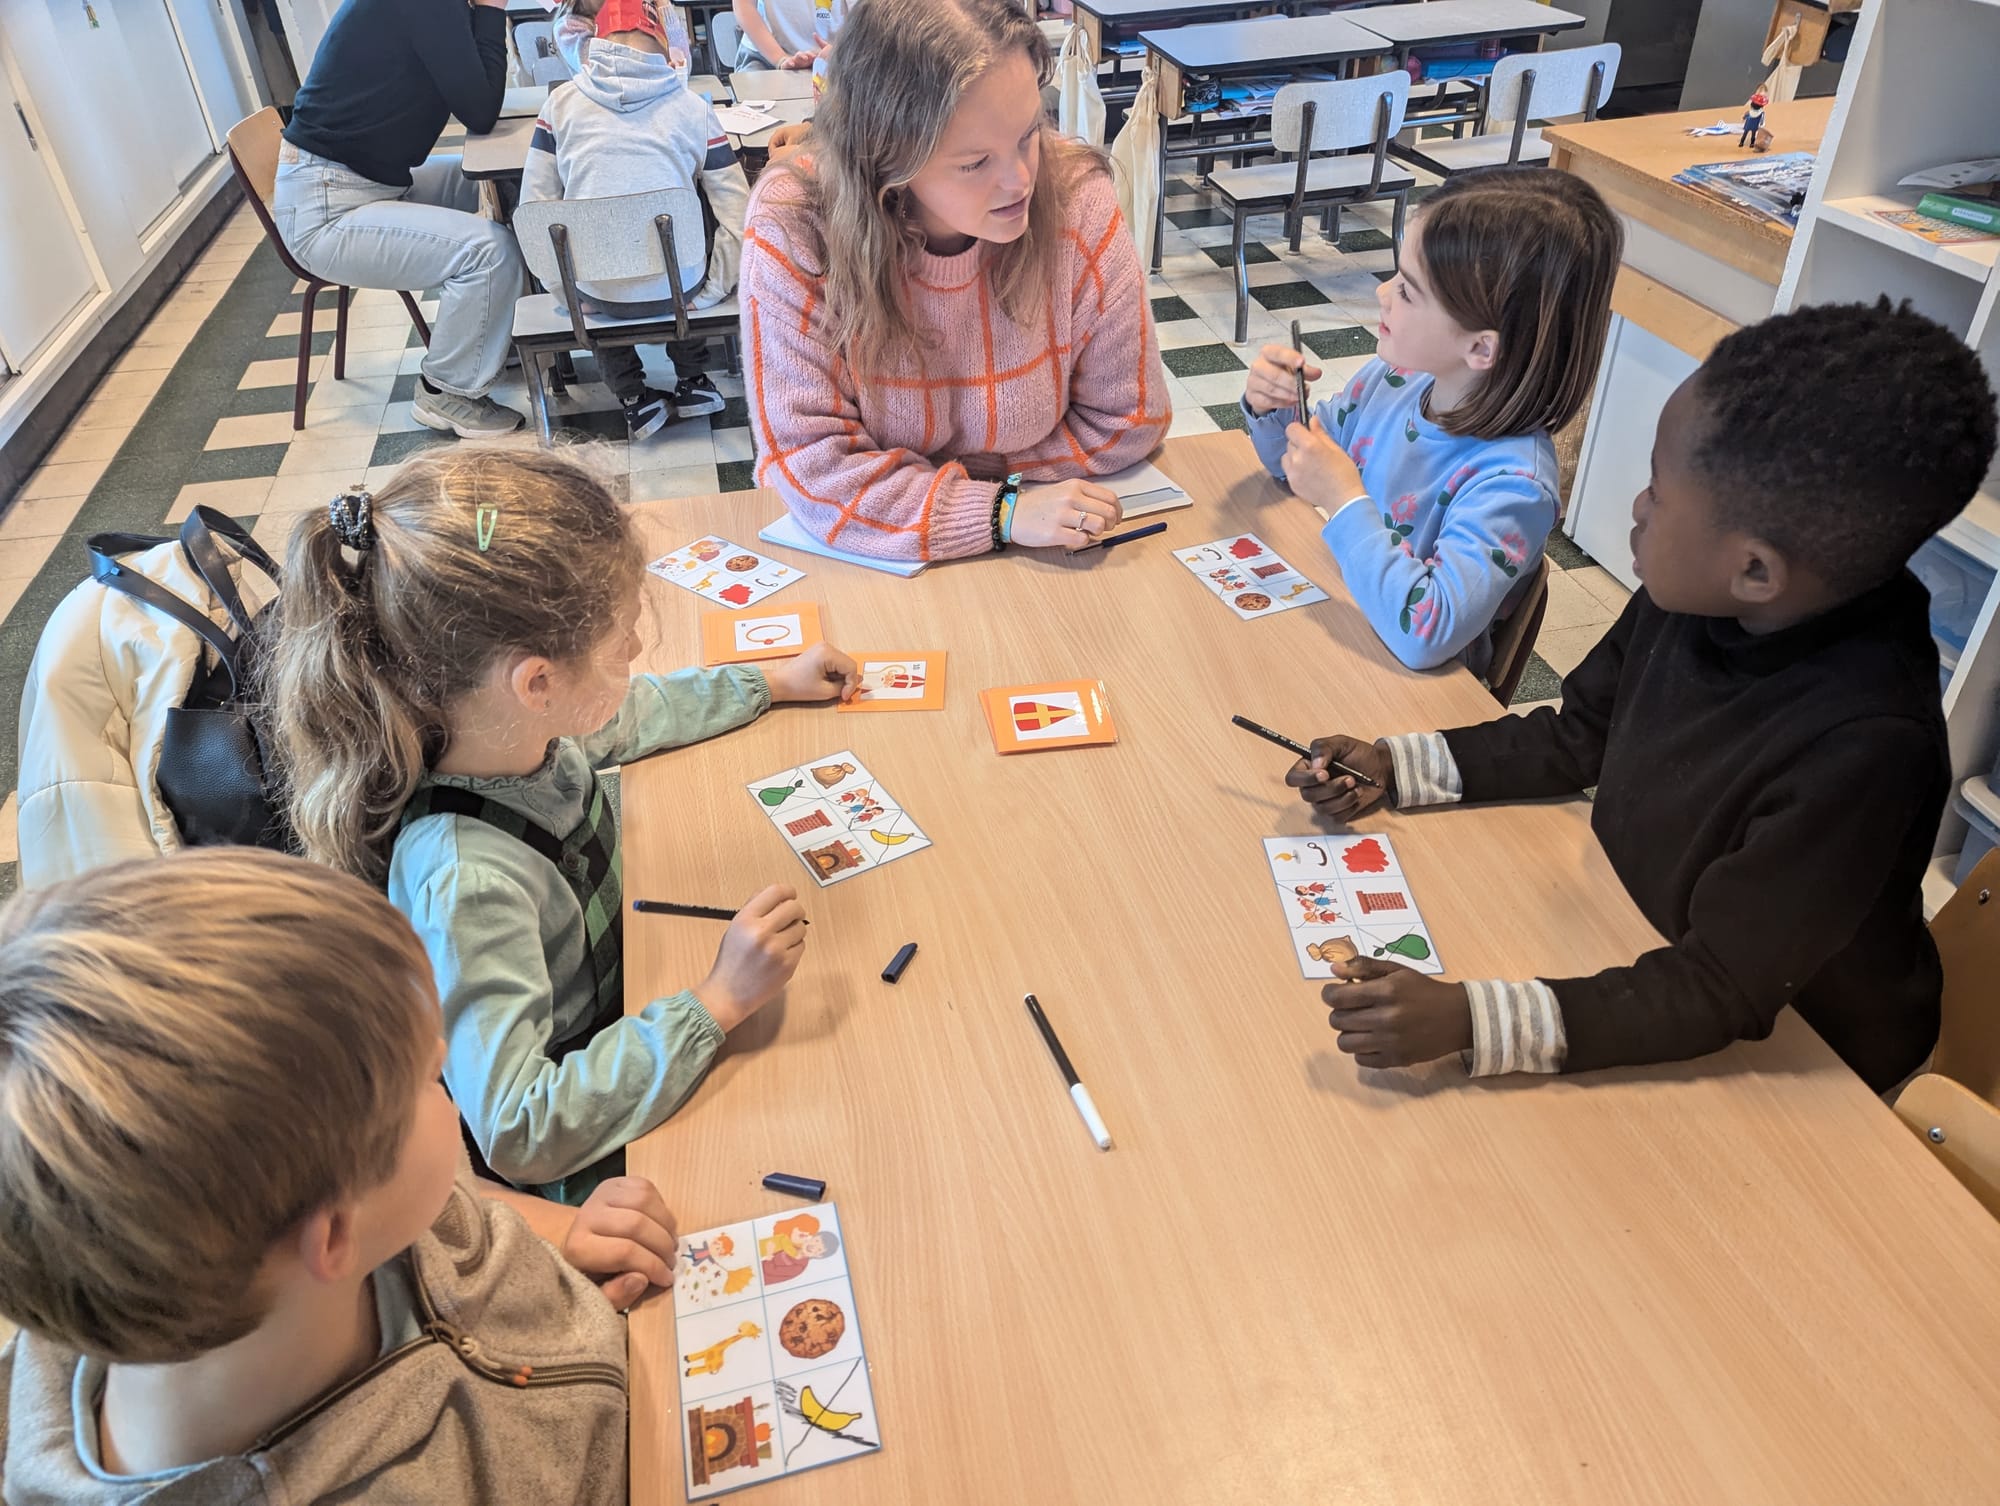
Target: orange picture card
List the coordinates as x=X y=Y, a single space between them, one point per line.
x=1069 y=714
x=773 y=632
x=900 y=680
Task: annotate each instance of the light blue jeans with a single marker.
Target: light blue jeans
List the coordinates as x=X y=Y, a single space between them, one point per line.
x=350 y=229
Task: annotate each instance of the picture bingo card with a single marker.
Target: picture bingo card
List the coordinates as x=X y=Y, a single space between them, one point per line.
x=723 y=572
x=1346 y=897
x=773 y=1376
x=837 y=817
x=1248 y=577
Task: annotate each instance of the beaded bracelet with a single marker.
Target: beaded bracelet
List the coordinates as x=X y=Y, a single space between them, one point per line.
x=1004 y=502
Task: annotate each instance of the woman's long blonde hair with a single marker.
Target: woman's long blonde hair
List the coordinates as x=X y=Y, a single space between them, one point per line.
x=899 y=68
x=463 y=557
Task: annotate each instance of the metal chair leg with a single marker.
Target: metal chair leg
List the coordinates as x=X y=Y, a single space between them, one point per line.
x=1396 y=231
x=305 y=352
x=1236 y=239
x=340 y=336
x=538 y=394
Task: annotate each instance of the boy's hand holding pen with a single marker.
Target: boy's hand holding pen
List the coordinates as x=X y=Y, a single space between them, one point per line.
x=1337 y=796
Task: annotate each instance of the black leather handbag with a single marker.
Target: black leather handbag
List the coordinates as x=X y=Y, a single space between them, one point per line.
x=212 y=764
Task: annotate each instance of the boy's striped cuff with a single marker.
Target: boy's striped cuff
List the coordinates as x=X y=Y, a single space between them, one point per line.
x=1516 y=1027
x=1426 y=773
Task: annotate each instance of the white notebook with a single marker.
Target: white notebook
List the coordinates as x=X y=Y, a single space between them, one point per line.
x=1144 y=489
x=786 y=533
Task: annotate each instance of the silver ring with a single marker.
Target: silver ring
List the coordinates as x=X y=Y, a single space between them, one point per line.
x=1082 y=518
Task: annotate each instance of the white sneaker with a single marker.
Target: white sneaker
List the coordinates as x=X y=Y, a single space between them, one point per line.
x=467 y=417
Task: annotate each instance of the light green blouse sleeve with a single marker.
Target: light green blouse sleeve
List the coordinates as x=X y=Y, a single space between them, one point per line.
x=671 y=711
x=536 y=1119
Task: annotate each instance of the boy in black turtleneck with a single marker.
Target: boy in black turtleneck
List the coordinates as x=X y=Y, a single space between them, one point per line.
x=1762 y=725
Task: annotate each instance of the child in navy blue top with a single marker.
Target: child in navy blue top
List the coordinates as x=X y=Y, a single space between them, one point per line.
x=1434 y=466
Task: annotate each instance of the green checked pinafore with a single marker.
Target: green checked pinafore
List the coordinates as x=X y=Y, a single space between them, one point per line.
x=587 y=859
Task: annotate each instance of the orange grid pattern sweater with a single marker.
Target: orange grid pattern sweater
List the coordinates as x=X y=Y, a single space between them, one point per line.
x=877 y=463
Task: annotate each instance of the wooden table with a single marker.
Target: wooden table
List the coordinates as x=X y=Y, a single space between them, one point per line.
x=1695 y=269
x=772 y=83
x=1733 y=1280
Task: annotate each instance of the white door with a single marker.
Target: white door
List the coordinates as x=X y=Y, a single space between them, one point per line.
x=43 y=273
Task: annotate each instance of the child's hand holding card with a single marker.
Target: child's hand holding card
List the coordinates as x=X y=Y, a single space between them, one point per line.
x=819 y=674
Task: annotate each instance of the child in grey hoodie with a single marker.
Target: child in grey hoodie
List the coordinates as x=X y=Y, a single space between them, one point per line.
x=627 y=123
x=248 y=1260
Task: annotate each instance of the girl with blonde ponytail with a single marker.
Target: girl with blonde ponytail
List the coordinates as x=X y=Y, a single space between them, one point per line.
x=450 y=669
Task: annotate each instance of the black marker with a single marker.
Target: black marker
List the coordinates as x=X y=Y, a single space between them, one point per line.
x=1123 y=538
x=697 y=912
x=1303 y=751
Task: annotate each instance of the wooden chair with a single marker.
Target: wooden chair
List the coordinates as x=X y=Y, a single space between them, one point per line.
x=1961 y=1128
x=567 y=241
x=1515 y=638
x=1331 y=117
x=1967 y=932
x=1524 y=86
x=253 y=153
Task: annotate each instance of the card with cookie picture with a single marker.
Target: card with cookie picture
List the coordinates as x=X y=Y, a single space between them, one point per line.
x=725 y=572
x=776 y=1380
x=1248 y=577
x=838 y=818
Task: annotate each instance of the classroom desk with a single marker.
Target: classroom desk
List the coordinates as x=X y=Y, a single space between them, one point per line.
x=1740 y=1279
x=1447 y=23
x=1108 y=21
x=1694 y=269
x=503 y=151
x=1240 y=49
x=772 y=83
x=701 y=16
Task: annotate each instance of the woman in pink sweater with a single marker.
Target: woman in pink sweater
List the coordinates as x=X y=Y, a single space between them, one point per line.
x=939 y=293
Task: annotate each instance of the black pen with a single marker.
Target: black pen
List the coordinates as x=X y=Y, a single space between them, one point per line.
x=698 y=912
x=1079 y=1094
x=1121 y=538
x=1303 y=751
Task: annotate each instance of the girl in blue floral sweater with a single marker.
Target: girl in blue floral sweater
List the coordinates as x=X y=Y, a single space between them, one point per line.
x=1434 y=466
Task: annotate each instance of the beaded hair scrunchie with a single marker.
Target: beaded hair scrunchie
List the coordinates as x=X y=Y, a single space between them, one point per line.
x=351 y=515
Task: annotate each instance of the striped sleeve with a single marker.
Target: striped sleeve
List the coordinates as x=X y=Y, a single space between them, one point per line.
x=1516 y=1027
x=541 y=172
x=721 y=154
x=1426 y=773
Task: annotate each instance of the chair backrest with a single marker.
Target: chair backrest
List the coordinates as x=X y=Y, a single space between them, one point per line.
x=1967 y=933
x=571 y=241
x=253 y=143
x=1346 y=112
x=1961 y=1128
x=724 y=37
x=1563 y=83
x=1514 y=640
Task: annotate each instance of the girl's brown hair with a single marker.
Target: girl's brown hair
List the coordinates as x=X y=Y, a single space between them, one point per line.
x=465 y=557
x=196 y=1052
x=1531 y=254
x=898 y=70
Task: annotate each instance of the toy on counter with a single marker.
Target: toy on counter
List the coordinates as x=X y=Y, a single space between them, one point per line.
x=1754 y=135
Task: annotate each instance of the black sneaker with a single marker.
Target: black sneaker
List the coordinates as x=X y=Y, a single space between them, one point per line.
x=695 y=396
x=647 y=413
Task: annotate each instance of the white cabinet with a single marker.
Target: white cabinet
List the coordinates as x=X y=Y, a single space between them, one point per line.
x=1917 y=91
x=44 y=276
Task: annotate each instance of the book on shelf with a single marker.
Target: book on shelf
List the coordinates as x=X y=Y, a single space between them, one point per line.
x=1937 y=232
x=1953 y=209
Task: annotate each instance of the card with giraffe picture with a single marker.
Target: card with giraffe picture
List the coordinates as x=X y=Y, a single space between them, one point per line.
x=723 y=572
x=837 y=817
x=773 y=1376
x=1248 y=577
x=1065 y=714
x=902 y=680
x=1346 y=897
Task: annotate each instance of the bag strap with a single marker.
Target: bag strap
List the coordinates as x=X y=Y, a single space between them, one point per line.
x=198 y=543
x=450 y=800
x=106 y=571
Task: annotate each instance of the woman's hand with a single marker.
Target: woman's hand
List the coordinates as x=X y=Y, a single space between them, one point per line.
x=819 y=674
x=1067 y=513
x=1273 y=380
